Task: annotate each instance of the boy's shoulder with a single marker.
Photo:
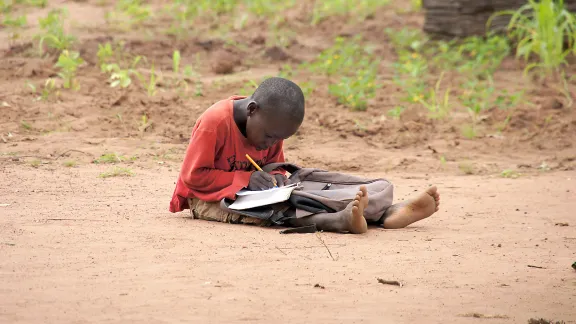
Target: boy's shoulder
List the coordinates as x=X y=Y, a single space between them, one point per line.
x=218 y=114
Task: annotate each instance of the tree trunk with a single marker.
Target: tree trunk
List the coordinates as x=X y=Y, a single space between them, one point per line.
x=461 y=18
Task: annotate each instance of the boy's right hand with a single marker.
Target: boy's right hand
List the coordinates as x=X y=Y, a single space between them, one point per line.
x=260 y=180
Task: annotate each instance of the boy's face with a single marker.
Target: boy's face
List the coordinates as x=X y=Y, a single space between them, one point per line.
x=264 y=129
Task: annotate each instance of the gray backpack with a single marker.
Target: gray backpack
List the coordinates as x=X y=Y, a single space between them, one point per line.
x=321 y=192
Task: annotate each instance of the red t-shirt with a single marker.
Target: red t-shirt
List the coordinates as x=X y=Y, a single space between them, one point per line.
x=215 y=165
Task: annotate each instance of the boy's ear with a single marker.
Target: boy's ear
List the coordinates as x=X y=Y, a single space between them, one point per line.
x=252 y=108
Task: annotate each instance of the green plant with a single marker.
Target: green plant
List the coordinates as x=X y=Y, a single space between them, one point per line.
x=437 y=104
x=356 y=67
x=122 y=77
x=476 y=97
x=506 y=100
x=356 y=90
x=510 y=174
x=466 y=168
x=128 y=13
x=541 y=28
x=151 y=83
x=48 y=89
x=35 y=163
x=53 y=35
x=117 y=172
x=68 y=63
x=409 y=75
x=469 y=131
x=407 y=39
x=105 y=54
x=14 y=22
x=479 y=55
x=359 y=9
x=396 y=112
x=176 y=62
x=110 y=158
x=70 y=164
x=25 y=125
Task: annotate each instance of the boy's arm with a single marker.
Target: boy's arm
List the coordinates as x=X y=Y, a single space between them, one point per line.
x=199 y=174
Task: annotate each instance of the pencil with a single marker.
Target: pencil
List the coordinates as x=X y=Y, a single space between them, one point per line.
x=259 y=168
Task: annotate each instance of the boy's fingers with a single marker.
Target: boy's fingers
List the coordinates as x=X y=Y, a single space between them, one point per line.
x=280 y=180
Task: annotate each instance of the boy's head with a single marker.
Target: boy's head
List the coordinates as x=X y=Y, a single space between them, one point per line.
x=275 y=112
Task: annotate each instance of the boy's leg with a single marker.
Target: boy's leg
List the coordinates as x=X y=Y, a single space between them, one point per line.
x=403 y=214
x=211 y=211
x=350 y=219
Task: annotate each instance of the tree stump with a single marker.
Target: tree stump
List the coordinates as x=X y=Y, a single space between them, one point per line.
x=461 y=18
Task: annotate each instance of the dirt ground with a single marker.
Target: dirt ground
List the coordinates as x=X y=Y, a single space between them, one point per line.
x=76 y=247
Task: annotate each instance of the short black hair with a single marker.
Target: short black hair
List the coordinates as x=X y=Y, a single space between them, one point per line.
x=279 y=95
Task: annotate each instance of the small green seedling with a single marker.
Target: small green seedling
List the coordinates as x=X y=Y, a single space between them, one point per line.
x=53 y=35
x=70 y=164
x=437 y=105
x=396 y=112
x=110 y=158
x=105 y=54
x=68 y=63
x=117 y=172
x=510 y=174
x=25 y=125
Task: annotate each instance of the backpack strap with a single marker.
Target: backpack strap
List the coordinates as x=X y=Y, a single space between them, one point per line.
x=292 y=168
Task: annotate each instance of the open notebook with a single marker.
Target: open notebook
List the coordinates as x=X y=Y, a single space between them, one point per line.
x=250 y=199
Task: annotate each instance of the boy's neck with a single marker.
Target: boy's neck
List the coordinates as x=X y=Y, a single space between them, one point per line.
x=240 y=113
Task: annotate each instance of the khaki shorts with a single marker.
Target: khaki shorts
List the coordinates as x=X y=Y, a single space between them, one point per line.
x=211 y=211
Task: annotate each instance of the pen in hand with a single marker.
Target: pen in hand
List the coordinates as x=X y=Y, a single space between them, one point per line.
x=260 y=169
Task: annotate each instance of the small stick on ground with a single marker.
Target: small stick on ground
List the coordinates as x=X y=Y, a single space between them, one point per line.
x=67 y=151
x=537 y=267
x=277 y=248
x=74 y=219
x=390 y=282
x=478 y=315
x=309 y=247
x=326 y=246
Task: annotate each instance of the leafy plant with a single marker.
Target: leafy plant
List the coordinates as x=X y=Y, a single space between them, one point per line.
x=122 y=77
x=105 y=54
x=14 y=22
x=53 y=35
x=355 y=91
x=151 y=84
x=359 y=9
x=437 y=104
x=35 y=163
x=407 y=39
x=541 y=28
x=68 y=63
x=117 y=172
x=510 y=174
x=70 y=164
x=476 y=97
x=129 y=13
x=25 y=125
x=110 y=158
x=356 y=68
x=396 y=112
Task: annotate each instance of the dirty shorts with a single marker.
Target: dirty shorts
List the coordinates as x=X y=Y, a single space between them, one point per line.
x=211 y=211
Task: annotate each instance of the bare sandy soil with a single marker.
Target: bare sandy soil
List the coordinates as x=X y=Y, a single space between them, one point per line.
x=77 y=248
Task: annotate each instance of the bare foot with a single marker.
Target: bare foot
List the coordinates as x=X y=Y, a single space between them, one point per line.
x=351 y=219
x=353 y=215
x=406 y=213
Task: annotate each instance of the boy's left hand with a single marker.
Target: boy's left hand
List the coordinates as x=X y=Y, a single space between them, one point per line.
x=281 y=180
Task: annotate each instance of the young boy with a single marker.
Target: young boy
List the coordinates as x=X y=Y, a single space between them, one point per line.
x=215 y=166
